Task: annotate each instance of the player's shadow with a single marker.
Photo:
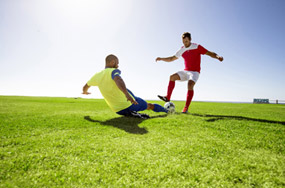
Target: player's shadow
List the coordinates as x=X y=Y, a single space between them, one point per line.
x=128 y=124
x=213 y=118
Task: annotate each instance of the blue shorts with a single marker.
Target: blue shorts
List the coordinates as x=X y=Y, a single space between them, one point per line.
x=141 y=106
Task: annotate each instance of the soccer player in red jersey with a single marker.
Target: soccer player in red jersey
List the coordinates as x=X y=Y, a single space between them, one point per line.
x=191 y=54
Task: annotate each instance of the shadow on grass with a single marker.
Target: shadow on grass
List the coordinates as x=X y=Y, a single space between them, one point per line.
x=127 y=124
x=214 y=118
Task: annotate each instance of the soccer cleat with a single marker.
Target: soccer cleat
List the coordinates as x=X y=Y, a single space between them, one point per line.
x=145 y=116
x=185 y=110
x=165 y=99
x=138 y=115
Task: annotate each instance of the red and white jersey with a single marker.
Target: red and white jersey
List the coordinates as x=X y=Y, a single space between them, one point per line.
x=192 y=56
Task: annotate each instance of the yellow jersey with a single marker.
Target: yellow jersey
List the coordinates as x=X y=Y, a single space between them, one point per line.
x=113 y=96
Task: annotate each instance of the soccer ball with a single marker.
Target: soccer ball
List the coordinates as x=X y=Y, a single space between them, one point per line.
x=170 y=107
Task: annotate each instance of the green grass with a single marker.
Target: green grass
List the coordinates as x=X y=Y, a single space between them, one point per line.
x=66 y=142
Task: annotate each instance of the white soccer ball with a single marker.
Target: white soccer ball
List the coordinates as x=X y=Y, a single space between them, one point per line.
x=170 y=107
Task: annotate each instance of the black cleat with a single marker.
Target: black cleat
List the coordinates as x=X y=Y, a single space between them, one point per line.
x=138 y=115
x=145 y=116
x=165 y=99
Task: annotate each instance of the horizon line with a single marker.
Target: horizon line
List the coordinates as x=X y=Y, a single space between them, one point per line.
x=86 y=97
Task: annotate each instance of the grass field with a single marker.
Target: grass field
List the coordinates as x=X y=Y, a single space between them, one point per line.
x=66 y=142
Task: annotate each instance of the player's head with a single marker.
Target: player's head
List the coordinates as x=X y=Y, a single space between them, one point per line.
x=112 y=61
x=186 y=39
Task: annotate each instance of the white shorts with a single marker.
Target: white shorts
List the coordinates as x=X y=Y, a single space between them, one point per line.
x=188 y=75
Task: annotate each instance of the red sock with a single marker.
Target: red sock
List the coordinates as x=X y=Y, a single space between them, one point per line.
x=190 y=94
x=171 y=86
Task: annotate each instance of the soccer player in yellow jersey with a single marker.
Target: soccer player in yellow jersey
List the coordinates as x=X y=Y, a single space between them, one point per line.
x=114 y=90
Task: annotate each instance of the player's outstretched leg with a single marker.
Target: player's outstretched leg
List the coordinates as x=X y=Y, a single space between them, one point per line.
x=170 y=87
x=156 y=108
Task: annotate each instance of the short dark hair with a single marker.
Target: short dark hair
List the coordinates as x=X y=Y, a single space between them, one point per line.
x=109 y=58
x=186 y=34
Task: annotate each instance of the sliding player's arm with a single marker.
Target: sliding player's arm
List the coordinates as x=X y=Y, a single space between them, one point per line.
x=166 y=59
x=214 y=55
x=122 y=86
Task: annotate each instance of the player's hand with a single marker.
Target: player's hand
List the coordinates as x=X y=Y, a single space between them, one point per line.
x=129 y=98
x=86 y=93
x=158 y=59
x=220 y=58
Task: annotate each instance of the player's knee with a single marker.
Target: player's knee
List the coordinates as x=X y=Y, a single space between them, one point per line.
x=150 y=106
x=173 y=77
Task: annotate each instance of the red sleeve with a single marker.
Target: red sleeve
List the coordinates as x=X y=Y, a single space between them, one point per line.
x=202 y=50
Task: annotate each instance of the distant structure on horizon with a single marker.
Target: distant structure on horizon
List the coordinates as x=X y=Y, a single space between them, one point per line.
x=260 y=101
x=267 y=101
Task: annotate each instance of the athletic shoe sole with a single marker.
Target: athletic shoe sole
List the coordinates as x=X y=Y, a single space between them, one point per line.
x=138 y=115
x=163 y=98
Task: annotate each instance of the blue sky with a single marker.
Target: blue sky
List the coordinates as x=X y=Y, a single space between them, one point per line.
x=53 y=47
